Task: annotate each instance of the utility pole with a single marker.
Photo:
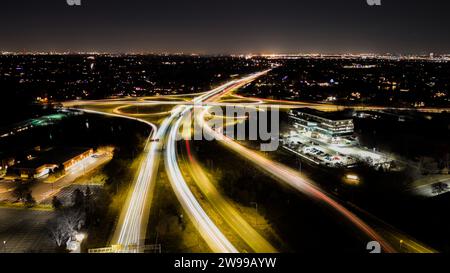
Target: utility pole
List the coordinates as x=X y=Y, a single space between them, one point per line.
x=446 y=163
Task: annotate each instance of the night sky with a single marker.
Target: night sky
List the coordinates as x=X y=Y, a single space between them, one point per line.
x=227 y=26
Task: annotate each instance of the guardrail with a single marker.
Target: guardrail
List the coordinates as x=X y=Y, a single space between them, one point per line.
x=156 y=248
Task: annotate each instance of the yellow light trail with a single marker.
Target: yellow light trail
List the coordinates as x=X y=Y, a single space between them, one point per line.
x=223 y=207
x=291 y=177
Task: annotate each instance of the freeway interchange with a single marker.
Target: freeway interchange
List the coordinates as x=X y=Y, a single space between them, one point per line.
x=161 y=144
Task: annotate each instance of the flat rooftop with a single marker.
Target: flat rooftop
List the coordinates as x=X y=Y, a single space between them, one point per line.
x=55 y=156
x=335 y=116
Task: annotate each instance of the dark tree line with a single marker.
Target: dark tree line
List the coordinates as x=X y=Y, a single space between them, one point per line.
x=23 y=194
x=81 y=213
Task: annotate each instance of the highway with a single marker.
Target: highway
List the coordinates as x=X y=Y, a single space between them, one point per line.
x=208 y=230
x=223 y=207
x=133 y=221
x=293 y=179
x=132 y=224
x=244 y=102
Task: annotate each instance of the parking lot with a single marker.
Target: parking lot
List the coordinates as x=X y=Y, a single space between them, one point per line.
x=23 y=231
x=44 y=189
x=332 y=155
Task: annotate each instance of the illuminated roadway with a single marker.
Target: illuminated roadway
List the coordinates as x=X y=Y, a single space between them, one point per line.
x=215 y=239
x=222 y=206
x=282 y=104
x=305 y=185
x=131 y=228
x=295 y=180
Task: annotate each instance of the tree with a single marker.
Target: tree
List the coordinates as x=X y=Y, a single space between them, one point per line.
x=78 y=198
x=89 y=206
x=59 y=171
x=58 y=233
x=21 y=191
x=56 y=203
x=88 y=192
x=74 y=219
x=66 y=224
x=29 y=200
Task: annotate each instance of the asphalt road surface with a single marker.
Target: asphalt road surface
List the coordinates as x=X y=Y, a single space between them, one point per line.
x=23 y=231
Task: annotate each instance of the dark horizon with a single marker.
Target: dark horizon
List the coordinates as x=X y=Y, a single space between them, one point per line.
x=231 y=27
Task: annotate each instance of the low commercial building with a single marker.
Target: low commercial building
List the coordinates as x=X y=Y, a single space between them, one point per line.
x=33 y=169
x=330 y=127
x=73 y=156
x=5 y=161
x=43 y=163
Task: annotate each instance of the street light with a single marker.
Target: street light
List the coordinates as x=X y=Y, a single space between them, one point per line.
x=353 y=177
x=80 y=237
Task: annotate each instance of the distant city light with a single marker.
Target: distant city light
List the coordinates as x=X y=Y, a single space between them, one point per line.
x=352 y=177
